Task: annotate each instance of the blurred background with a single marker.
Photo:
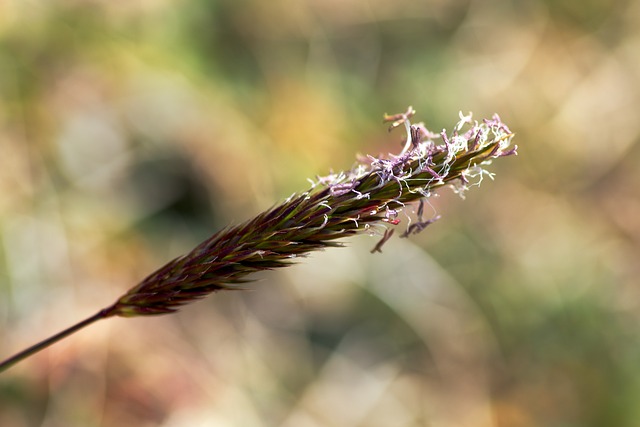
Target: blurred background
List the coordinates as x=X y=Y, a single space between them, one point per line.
x=132 y=130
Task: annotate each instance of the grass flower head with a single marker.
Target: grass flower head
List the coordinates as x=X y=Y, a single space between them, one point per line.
x=367 y=198
x=339 y=205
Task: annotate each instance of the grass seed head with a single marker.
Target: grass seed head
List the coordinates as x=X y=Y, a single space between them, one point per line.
x=337 y=206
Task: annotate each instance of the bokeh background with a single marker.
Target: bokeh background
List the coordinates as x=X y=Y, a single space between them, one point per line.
x=131 y=130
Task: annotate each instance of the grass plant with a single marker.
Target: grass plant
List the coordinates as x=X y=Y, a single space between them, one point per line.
x=369 y=198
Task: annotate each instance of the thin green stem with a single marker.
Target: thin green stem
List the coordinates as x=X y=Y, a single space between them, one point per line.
x=6 y=364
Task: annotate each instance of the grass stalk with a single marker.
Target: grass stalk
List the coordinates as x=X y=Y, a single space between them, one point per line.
x=7 y=363
x=365 y=199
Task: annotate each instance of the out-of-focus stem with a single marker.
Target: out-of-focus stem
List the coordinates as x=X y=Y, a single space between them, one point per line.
x=6 y=364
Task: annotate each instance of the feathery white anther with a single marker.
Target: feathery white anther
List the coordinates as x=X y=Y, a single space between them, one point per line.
x=409 y=143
